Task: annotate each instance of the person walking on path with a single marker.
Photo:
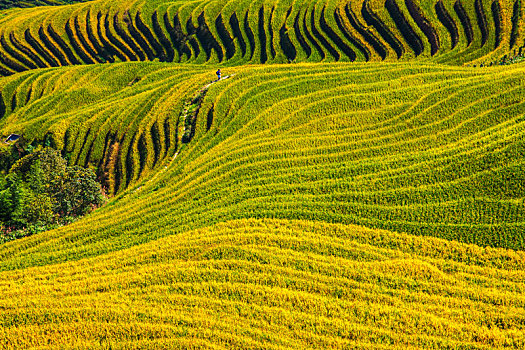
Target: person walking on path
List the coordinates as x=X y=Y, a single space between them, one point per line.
x=218 y=74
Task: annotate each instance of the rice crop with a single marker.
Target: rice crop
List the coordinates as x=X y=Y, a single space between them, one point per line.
x=354 y=181
x=239 y=32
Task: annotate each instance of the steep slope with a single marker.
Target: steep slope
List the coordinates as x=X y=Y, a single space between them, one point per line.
x=121 y=119
x=239 y=32
x=272 y=284
x=427 y=150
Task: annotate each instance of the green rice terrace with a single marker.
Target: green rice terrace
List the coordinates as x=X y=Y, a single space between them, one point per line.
x=355 y=180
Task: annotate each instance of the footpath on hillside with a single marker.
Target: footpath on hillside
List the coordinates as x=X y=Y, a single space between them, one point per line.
x=191 y=109
x=189 y=113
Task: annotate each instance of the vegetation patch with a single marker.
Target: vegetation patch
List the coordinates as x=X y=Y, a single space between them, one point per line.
x=39 y=191
x=189 y=114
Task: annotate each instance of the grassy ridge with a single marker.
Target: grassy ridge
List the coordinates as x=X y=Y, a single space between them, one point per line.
x=240 y=32
x=426 y=149
x=272 y=284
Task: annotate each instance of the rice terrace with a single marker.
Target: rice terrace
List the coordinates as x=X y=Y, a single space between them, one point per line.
x=355 y=178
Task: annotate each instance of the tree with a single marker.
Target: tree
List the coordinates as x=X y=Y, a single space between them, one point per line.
x=79 y=192
x=40 y=189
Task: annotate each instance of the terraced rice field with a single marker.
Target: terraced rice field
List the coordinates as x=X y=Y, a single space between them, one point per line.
x=238 y=32
x=357 y=181
x=427 y=150
x=419 y=150
x=253 y=284
x=99 y=119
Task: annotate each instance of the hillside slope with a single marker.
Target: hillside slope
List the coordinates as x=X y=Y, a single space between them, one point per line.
x=272 y=284
x=427 y=150
x=240 y=32
x=357 y=179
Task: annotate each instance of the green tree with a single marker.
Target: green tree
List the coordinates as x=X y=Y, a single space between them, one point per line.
x=78 y=192
x=41 y=190
x=38 y=209
x=16 y=193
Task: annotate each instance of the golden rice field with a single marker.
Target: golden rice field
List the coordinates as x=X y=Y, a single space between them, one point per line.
x=272 y=284
x=355 y=182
